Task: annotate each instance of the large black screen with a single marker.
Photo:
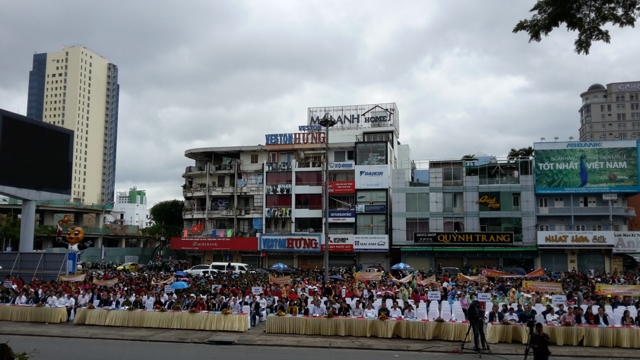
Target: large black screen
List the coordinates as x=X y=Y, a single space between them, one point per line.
x=35 y=155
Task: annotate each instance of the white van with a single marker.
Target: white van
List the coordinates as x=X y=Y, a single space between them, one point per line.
x=237 y=268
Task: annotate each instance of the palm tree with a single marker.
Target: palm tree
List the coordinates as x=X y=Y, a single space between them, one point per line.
x=520 y=153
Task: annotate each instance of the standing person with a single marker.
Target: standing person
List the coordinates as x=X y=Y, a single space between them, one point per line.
x=540 y=344
x=476 y=319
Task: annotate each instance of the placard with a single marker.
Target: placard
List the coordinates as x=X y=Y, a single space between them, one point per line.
x=168 y=289
x=433 y=295
x=8 y=284
x=484 y=297
x=215 y=287
x=256 y=290
x=558 y=299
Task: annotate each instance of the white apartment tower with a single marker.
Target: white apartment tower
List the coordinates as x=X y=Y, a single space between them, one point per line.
x=78 y=89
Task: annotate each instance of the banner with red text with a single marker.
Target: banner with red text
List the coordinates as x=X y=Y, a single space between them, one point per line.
x=282 y=280
x=495 y=273
x=109 y=282
x=618 y=290
x=368 y=276
x=537 y=273
x=472 y=278
x=72 y=278
x=549 y=287
x=404 y=280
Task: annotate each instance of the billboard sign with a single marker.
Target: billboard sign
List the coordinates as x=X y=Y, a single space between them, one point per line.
x=342 y=187
x=351 y=117
x=576 y=239
x=231 y=244
x=358 y=243
x=348 y=165
x=626 y=242
x=371 y=208
x=290 y=242
x=372 y=176
x=463 y=238
x=586 y=167
x=342 y=216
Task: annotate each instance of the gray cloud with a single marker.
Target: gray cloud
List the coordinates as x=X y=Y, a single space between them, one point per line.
x=215 y=73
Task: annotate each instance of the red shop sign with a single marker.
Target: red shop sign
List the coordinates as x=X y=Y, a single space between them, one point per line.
x=233 y=244
x=342 y=187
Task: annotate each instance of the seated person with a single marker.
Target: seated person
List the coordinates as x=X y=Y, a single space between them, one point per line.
x=395 y=311
x=370 y=312
x=409 y=313
x=495 y=315
x=552 y=318
x=560 y=310
x=601 y=318
x=383 y=309
x=357 y=309
x=568 y=318
x=511 y=316
x=318 y=309
x=292 y=308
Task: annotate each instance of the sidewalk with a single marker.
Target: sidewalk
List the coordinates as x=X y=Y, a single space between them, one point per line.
x=257 y=337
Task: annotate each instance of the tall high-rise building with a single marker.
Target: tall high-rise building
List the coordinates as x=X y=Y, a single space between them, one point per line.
x=610 y=112
x=78 y=89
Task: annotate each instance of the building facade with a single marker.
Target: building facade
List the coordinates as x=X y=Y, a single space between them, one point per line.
x=477 y=212
x=610 y=112
x=130 y=208
x=264 y=204
x=78 y=89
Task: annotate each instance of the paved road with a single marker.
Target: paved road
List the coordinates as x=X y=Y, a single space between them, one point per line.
x=83 y=349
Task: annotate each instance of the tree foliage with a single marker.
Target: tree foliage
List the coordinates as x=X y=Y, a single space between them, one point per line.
x=520 y=153
x=9 y=231
x=587 y=17
x=167 y=216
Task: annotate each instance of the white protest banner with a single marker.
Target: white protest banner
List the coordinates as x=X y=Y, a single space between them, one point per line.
x=168 y=289
x=8 y=284
x=433 y=295
x=256 y=290
x=484 y=297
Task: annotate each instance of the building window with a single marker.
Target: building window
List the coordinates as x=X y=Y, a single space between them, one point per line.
x=339 y=156
x=312 y=225
x=622 y=126
x=620 y=107
x=417 y=202
x=452 y=176
x=454 y=224
x=620 y=97
x=596 y=227
x=587 y=119
x=558 y=202
x=581 y=228
x=543 y=227
x=603 y=127
x=515 y=199
x=587 y=201
x=415 y=225
x=254 y=158
x=371 y=153
x=310 y=178
x=371 y=224
x=622 y=117
x=309 y=201
x=543 y=202
x=221 y=181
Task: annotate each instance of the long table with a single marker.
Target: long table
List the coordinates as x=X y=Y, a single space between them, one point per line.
x=342 y=326
x=33 y=314
x=594 y=336
x=165 y=320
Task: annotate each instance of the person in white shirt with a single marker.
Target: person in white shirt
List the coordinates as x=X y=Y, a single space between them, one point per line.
x=70 y=304
x=318 y=309
x=263 y=303
x=52 y=300
x=511 y=316
x=395 y=311
x=357 y=309
x=148 y=304
x=83 y=299
x=552 y=318
x=409 y=313
x=370 y=312
x=62 y=300
x=163 y=297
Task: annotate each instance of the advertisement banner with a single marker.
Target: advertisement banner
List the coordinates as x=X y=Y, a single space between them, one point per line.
x=109 y=282
x=404 y=280
x=548 y=287
x=583 y=239
x=282 y=280
x=430 y=280
x=370 y=242
x=290 y=242
x=626 y=242
x=368 y=276
x=472 y=278
x=372 y=176
x=495 y=273
x=340 y=243
x=618 y=290
x=342 y=216
x=463 y=238
x=348 y=165
x=72 y=278
x=357 y=116
x=228 y=244
x=536 y=273
x=371 y=209
x=342 y=187
x=584 y=167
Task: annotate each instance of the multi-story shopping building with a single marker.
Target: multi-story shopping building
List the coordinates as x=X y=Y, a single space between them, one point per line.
x=475 y=212
x=611 y=112
x=583 y=215
x=78 y=89
x=264 y=204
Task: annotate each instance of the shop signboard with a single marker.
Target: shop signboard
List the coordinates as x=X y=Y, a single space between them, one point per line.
x=372 y=176
x=371 y=209
x=342 y=187
x=358 y=243
x=290 y=242
x=346 y=165
x=208 y=243
x=357 y=116
x=342 y=216
x=586 y=167
x=463 y=238
x=576 y=239
x=626 y=242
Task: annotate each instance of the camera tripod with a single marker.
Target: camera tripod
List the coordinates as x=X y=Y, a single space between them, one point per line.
x=528 y=347
x=483 y=340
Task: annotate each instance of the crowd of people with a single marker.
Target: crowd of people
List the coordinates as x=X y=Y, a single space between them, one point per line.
x=307 y=294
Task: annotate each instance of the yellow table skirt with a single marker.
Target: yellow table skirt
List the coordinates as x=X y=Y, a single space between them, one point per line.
x=164 y=320
x=33 y=314
x=366 y=328
x=572 y=335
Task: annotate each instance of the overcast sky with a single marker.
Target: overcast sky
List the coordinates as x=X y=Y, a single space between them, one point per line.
x=222 y=73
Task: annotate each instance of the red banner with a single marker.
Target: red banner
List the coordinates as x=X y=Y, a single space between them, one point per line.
x=495 y=273
x=342 y=187
x=279 y=280
x=233 y=244
x=536 y=273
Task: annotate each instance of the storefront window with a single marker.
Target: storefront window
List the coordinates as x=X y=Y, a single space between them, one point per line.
x=371 y=153
x=372 y=197
x=372 y=224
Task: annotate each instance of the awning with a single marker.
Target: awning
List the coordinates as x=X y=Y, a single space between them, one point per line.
x=468 y=249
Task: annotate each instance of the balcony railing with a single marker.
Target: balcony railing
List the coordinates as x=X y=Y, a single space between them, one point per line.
x=499 y=180
x=595 y=210
x=279 y=166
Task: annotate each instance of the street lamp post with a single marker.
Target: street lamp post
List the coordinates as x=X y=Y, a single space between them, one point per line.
x=327 y=121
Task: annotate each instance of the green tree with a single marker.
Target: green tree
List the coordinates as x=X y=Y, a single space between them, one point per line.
x=167 y=216
x=520 y=153
x=587 y=17
x=10 y=231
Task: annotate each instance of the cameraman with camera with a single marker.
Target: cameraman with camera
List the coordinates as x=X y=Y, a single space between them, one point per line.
x=540 y=344
x=476 y=320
